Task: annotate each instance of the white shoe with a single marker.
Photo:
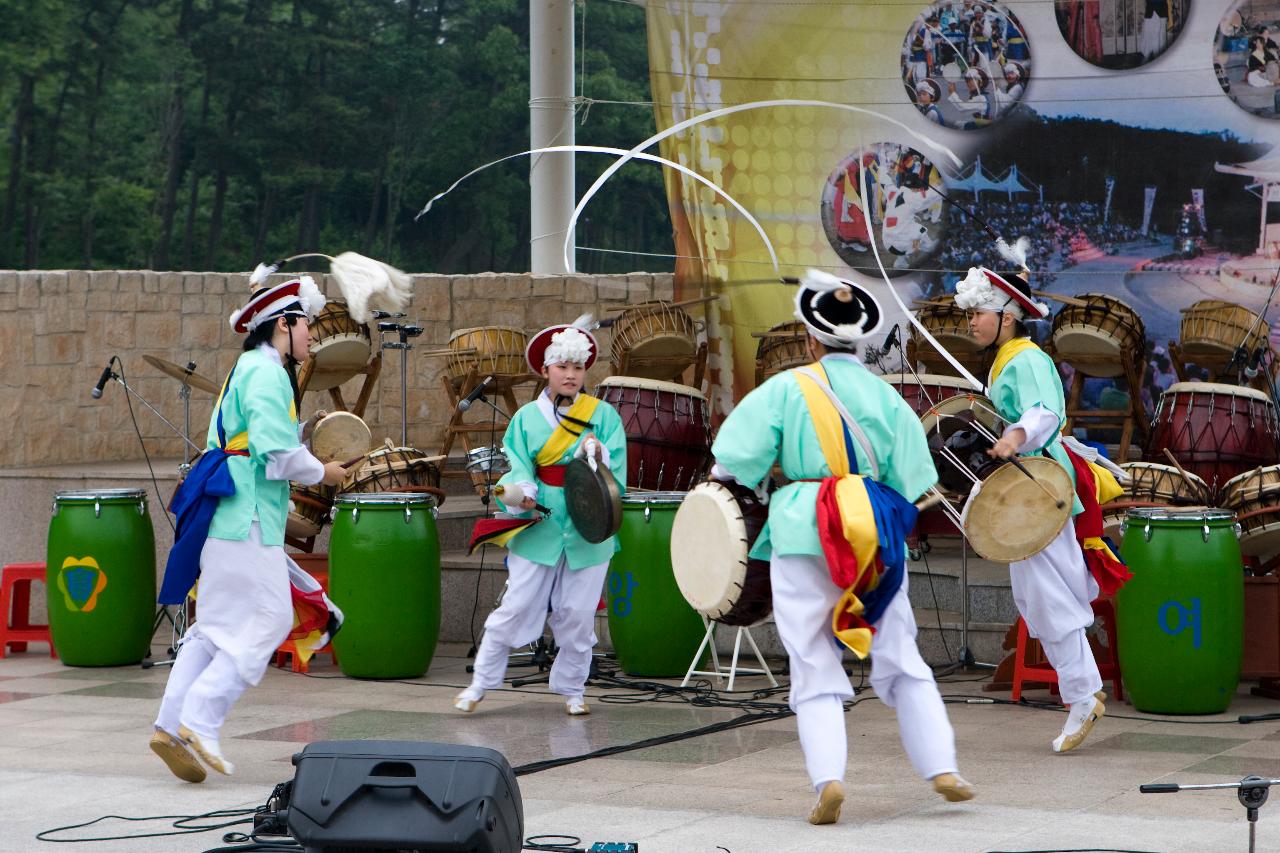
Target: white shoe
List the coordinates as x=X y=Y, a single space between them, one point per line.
x=576 y=708
x=1080 y=719
x=467 y=700
x=208 y=750
x=177 y=757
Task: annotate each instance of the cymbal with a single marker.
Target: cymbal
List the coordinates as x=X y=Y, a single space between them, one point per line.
x=195 y=380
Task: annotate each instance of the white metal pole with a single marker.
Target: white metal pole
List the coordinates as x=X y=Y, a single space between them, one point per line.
x=551 y=191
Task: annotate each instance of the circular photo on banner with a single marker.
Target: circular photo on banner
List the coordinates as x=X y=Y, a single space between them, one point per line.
x=879 y=200
x=1120 y=33
x=965 y=63
x=1246 y=56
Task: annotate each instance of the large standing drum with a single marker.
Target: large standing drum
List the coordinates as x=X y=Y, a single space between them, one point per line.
x=101 y=576
x=340 y=347
x=1255 y=498
x=654 y=630
x=1100 y=336
x=384 y=572
x=654 y=340
x=711 y=539
x=949 y=325
x=923 y=391
x=1151 y=484
x=1212 y=330
x=668 y=431
x=1181 y=615
x=489 y=349
x=781 y=348
x=1215 y=431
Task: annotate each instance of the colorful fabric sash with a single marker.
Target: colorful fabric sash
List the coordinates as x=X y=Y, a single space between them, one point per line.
x=1008 y=350
x=552 y=475
x=315 y=618
x=1095 y=486
x=862 y=525
x=567 y=431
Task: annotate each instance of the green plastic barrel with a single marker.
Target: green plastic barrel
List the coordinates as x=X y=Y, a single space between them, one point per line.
x=384 y=574
x=654 y=630
x=101 y=576
x=1181 y=617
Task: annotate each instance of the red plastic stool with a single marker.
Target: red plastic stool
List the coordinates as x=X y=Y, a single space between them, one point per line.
x=15 y=598
x=316 y=565
x=1033 y=671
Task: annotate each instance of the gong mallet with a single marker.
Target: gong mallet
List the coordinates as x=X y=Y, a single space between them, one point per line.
x=500 y=490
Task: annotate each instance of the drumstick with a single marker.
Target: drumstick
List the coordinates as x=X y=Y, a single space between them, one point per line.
x=1185 y=475
x=1066 y=300
x=500 y=490
x=931 y=500
x=1057 y=502
x=351 y=462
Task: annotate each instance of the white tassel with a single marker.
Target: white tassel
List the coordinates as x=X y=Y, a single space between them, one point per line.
x=586 y=322
x=367 y=284
x=260 y=273
x=1017 y=253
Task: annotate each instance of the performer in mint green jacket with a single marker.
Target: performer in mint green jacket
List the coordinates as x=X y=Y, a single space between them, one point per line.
x=551 y=567
x=1054 y=588
x=245 y=607
x=876 y=434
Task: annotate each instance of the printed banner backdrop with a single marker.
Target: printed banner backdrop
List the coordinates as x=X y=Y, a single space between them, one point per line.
x=1020 y=113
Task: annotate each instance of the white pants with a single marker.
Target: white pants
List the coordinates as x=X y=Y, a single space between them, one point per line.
x=244 y=611
x=203 y=685
x=804 y=598
x=532 y=590
x=1053 y=591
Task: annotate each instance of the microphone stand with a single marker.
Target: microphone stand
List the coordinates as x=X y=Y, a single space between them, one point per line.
x=1252 y=792
x=116 y=377
x=405 y=331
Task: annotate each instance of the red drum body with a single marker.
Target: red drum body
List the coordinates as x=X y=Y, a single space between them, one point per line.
x=668 y=431
x=1215 y=431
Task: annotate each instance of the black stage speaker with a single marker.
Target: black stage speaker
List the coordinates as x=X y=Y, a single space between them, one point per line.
x=353 y=796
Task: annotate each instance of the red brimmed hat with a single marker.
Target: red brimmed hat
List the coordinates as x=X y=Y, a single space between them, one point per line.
x=568 y=342
x=299 y=297
x=1018 y=287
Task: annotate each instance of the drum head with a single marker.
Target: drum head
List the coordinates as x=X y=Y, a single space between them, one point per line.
x=593 y=500
x=1012 y=518
x=709 y=549
x=340 y=436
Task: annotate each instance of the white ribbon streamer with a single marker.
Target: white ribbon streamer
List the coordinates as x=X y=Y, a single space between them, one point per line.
x=724 y=111
x=625 y=155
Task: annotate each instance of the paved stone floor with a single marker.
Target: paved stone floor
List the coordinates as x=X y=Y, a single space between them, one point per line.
x=73 y=746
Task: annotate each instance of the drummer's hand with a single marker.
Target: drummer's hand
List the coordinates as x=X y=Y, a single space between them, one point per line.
x=1008 y=445
x=528 y=504
x=334 y=474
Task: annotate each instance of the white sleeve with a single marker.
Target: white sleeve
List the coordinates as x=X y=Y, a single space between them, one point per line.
x=515 y=493
x=1038 y=423
x=296 y=464
x=721 y=473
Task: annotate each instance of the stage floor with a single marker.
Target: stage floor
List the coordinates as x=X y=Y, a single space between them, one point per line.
x=73 y=747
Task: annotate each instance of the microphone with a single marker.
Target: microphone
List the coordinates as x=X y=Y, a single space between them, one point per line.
x=102 y=380
x=476 y=393
x=1251 y=369
x=891 y=339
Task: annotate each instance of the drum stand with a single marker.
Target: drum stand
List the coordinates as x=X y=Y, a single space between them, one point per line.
x=456 y=389
x=717 y=671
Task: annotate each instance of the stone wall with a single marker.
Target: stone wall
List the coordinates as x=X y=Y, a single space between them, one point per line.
x=58 y=329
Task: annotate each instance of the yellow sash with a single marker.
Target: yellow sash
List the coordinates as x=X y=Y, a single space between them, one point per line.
x=564 y=437
x=826 y=421
x=240 y=441
x=1006 y=353
x=857 y=516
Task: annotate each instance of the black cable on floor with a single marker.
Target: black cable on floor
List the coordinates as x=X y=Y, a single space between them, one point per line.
x=181 y=824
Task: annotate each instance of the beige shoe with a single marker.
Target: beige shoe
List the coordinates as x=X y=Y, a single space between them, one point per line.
x=576 y=708
x=1080 y=720
x=953 y=787
x=180 y=761
x=465 y=703
x=208 y=751
x=827 y=809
